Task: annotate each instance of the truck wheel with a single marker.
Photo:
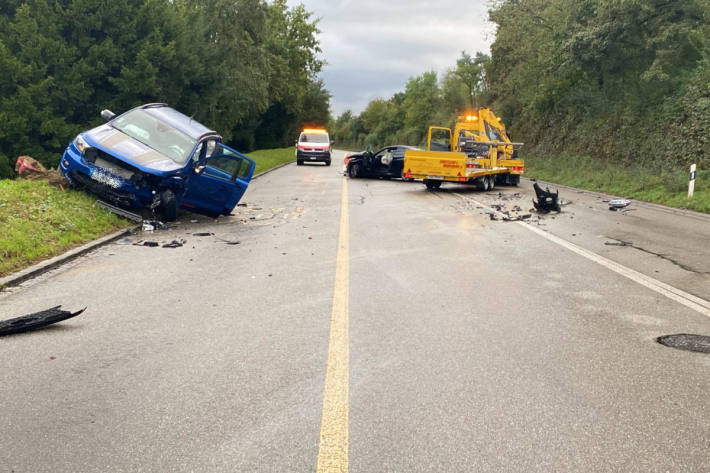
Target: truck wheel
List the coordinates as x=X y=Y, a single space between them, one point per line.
x=482 y=184
x=491 y=182
x=514 y=180
x=431 y=184
x=353 y=170
x=168 y=205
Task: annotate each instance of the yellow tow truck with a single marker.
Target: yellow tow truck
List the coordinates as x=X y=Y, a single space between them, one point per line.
x=477 y=152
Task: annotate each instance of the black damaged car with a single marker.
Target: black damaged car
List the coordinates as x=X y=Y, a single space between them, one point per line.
x=385 y=163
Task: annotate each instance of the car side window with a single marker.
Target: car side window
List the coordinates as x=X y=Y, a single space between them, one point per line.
x=222 y=167
x=225 y=164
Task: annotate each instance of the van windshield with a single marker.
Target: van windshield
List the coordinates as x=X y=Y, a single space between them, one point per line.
x=313 y=138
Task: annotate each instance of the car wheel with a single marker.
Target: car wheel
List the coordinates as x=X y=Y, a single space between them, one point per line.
x=299 y=163
x=168 y=205
x=327 y=163
x=353 y=170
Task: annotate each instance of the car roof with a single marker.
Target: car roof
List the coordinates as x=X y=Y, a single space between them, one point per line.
x=177 y=120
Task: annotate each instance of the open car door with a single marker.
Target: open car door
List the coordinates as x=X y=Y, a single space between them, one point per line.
x=219 y=180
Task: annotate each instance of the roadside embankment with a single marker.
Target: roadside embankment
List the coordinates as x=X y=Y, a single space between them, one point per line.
x=660 y=187
x=39 y=221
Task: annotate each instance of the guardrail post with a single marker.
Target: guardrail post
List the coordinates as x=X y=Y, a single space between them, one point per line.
x=691 y=185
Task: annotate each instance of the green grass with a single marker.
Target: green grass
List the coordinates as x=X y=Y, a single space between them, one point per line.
x=38 y=221
x=270 y=158
x=661 y=187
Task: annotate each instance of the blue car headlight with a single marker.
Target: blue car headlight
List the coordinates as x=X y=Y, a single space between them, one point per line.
x=81 y=144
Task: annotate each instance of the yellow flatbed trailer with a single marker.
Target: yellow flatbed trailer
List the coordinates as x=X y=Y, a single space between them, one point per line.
x=477 y=151
x=435 y=167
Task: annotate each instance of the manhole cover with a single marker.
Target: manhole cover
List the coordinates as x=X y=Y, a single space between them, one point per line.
x=696 y=343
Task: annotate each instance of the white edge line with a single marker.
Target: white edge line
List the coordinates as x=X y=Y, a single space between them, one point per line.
x=693 y=302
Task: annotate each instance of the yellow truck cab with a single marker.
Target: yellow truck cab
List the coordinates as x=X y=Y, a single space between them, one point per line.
x=477 y=151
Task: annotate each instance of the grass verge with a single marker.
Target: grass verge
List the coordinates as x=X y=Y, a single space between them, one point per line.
x=38 y=221
x=270 y=158
x=661 y=187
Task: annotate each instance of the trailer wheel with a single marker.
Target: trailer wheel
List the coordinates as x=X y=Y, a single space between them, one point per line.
x=482 y=184
x=491 y=182
x=431 y=184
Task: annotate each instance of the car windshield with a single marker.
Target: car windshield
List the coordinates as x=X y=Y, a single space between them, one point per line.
x=156 y=134
x=314 y=138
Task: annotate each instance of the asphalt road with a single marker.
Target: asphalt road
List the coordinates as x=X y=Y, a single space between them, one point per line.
x=451 y=342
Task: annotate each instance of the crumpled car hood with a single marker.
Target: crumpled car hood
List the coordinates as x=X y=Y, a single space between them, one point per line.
x=130 y=150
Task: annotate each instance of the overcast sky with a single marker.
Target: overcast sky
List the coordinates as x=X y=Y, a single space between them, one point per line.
x=374 y=46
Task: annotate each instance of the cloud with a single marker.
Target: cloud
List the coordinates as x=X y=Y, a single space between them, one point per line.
x=373 y=47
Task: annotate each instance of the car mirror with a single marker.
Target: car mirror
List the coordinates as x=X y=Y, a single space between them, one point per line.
x=107 y=115
x=199 y=168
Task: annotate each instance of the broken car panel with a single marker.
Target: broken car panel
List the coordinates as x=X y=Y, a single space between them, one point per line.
x=155 y=157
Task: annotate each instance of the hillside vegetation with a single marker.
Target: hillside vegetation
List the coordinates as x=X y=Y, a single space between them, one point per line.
x=246 y=68
x=612 y=95
x=626 y=81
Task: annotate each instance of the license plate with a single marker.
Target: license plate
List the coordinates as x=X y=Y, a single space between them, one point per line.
x=436 y=178
x=313 y=158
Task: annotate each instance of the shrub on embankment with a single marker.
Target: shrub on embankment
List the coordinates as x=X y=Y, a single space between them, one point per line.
x=246 y=68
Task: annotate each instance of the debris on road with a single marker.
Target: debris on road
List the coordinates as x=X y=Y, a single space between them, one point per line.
x=229 y=242
x=618 y=243
x=174 y=244
x=36 y=321
x=546 y=201
x=153 y=225
x=151 y=244
x=687 y=342
x=203 y=234
x=617 y=204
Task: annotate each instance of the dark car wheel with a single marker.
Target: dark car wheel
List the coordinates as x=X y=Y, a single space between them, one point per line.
x=299 y=163
x=353 y=170
x=327 y=163
x=168 y=205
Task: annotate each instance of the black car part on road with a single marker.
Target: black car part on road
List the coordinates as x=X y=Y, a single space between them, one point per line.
x=546 y=200
x=36 y=321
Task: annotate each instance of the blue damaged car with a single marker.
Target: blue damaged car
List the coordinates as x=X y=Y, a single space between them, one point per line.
x=154 y=157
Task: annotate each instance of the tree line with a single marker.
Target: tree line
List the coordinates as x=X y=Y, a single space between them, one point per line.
x=246 y=68
x=621 y=80
x=426 y=100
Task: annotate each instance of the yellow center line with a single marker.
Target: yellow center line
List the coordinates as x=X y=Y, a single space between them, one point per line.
x=333 y=445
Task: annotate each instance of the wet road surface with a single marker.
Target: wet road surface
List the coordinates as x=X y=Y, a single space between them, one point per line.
x=451 y=342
